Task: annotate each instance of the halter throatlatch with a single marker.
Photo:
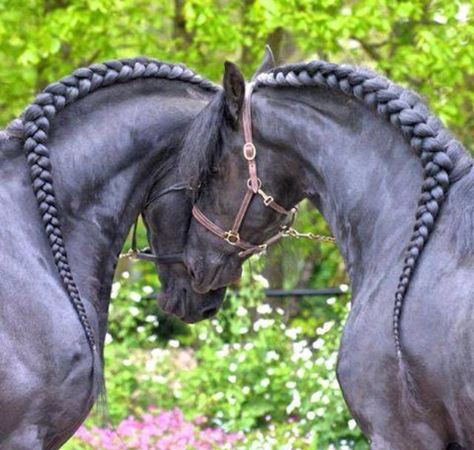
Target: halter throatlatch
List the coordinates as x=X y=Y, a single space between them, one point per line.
x=254 y=187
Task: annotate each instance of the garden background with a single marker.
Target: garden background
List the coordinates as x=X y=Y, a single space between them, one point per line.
x=261 y=375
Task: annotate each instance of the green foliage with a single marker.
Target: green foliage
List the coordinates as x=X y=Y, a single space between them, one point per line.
x=427 y=45
x=246 y=370
x=220 y=368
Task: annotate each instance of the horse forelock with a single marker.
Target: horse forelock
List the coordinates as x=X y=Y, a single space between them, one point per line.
x=444 y=159
x=202 y=143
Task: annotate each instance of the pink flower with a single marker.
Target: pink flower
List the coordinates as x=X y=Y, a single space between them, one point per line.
x=154 y=430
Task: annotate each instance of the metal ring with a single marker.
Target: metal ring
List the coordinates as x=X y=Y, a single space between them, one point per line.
x=231 y=237
x=259 y=183
x=250 y=152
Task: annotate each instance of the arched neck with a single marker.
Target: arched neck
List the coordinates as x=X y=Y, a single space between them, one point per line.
x=355 y=166
x=107 y=151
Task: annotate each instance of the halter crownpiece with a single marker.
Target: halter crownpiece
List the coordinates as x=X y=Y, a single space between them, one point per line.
x=254 y=187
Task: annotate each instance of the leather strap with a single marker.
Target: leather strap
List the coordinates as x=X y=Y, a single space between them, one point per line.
x=254 y=185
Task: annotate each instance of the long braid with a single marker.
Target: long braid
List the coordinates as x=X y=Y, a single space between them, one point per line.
x=37 y=120
x=406 y=112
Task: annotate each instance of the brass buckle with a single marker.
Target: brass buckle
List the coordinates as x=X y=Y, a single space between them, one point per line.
x=267 y=199
x=232 y=237
x=249 y=151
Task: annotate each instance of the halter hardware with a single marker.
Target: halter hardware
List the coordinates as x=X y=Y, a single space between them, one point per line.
x=254 y=187
x=146 y=254
x=232 y=237
x=250 y=152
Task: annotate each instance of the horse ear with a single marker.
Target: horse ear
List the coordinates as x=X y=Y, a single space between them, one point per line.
x=268 y=62
x=234 y=90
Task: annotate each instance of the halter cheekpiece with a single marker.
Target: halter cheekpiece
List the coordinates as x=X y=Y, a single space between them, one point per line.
x=254 y=187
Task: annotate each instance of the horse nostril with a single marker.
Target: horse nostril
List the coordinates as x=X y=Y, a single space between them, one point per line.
x=191 y=273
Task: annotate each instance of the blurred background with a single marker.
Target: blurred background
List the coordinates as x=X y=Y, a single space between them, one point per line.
x=261 y=375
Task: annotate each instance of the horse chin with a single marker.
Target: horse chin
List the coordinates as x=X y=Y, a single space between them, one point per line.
x=189 y=306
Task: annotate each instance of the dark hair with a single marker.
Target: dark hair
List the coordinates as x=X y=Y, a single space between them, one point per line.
x=202 y=143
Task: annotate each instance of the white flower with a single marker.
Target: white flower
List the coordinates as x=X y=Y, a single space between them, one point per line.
x=263 y=323
x=126 y=275
x=290 y=384
x=318 y=344
x=264 y=308
x=295 y=402
x=135 y=296
x=280 y=311
x=134 y=311
x=224 y=351
x=315 y=397
x=241 y=311
x=219 y=329
x=173 y=343
x=202 y=335
x=108 y=338
x=320 y=412
x=243 y=330
x=232 y=367
x=140 y=329
x=311 y=415
x=218 y=395
x=261 y=280
x=292 y=333
x=343 y=287
x=325 y=328
x=272 y=355
x=232 y=378
x=150 y=318
x=248 y=346
x=147 y=290
x=352 y=424
x=331 y=300
x=245 y=390
x=265 y=382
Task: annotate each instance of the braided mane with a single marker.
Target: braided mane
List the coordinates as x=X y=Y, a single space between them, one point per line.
x=438 y=152
x=37 y=119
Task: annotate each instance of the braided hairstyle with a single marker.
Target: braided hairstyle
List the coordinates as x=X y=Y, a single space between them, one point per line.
x=37 y=120
x=421 y=129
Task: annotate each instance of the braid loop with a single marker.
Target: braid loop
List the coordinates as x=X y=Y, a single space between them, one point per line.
x=36 y=124
x=405 y=111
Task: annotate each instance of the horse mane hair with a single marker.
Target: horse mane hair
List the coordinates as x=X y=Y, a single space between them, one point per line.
x=13 y=130
x=37 y=119
x=202 y=143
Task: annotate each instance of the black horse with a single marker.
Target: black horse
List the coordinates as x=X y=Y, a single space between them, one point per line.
x=361 y=149
x=108 y=136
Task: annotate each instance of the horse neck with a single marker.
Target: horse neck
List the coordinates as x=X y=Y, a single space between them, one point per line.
x=106 y=152
x=358 y=170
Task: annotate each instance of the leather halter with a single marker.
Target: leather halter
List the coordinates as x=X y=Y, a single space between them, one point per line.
x=254 y=187
x=147 y=254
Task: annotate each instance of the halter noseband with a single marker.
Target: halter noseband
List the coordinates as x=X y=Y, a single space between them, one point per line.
x=146 y=254
x=254 y=187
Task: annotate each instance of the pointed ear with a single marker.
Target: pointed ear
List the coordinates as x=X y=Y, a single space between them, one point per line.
x=268 y=62
x=234 y=91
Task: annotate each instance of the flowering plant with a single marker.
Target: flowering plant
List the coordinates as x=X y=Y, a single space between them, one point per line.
x=166 y=430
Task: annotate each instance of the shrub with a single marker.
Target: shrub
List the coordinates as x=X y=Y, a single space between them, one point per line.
x=165 y=430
